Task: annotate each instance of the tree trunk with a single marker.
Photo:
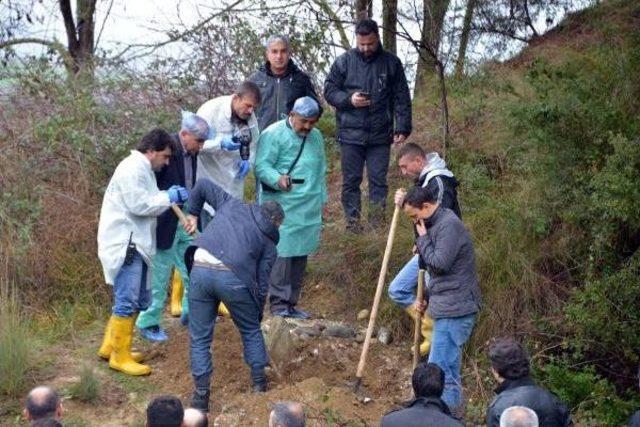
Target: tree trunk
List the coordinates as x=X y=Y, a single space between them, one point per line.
x=363 y=9
x=389 y=24
x=464 y=37
x=80 y=35
x=434 y=12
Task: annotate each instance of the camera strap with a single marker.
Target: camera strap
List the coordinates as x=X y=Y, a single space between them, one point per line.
x=268 y=188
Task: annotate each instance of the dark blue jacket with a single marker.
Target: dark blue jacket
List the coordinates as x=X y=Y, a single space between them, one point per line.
x=171 y=174
x=423 y=411
x=239 y=235
x=381 y=75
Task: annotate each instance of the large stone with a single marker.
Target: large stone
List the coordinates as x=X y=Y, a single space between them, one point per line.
x=339 y=330
x=384 y=336
x=310 y=331
x=363 y=314
x=280 y=344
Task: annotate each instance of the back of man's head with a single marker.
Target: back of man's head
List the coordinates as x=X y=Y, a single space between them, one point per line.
x=46 y=422
x=428 y=380
x=165 y=411
x=273 y=210
x=287 y=414
x=42 y=402
x=509 y=359
x=518 y=416
x=194 y=418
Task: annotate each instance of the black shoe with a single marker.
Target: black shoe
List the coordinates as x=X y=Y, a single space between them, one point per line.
x=200 y=400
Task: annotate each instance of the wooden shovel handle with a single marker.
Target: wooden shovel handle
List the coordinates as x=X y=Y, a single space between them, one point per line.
x=418 y=320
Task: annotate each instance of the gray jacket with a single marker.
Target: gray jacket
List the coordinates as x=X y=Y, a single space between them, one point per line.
x=447 y=251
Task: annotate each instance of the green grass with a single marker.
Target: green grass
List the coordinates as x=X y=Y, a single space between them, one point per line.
x=14 y=343
x=87 y=389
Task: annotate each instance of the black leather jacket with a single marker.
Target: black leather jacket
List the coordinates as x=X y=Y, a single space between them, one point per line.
x=381 y=75
x=524 y=392
x=280 y=92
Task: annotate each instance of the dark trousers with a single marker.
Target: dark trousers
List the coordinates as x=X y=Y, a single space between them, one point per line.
x=286 y=282
x=353 y=159
x=208 y=288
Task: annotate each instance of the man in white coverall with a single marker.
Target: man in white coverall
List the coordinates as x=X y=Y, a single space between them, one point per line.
x=227 y=159
x=127 y=242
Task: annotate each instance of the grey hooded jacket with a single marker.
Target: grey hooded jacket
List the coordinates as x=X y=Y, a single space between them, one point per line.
x=447 y=251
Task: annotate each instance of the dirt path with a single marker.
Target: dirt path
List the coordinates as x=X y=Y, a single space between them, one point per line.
x=318 y=376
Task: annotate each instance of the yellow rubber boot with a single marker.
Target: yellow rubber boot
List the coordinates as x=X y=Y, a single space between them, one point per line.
x=223 y=310
x=426 y=330
x=121 y=338
x=106 y=348
x=176 y=293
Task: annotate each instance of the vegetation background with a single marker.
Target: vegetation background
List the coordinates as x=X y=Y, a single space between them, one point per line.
x=546 y=146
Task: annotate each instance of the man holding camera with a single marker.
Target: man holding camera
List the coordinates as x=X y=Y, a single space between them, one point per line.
x=127 y=242
x=291 y=166
x=227 y=158
x=369 y=90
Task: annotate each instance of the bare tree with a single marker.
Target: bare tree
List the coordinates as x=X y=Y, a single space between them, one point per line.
x=464 y=37
x=433 y=14
x=389 y=25
x=363 y=9
x=78 y=54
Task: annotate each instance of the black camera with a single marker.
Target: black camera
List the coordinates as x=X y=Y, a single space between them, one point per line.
x=242 y=136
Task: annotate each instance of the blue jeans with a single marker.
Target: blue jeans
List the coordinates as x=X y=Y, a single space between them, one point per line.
x=208 y=288
x=402 y=289
x=130 y=288
x=449 y=335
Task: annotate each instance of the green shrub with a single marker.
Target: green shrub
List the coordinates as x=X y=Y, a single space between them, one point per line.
x=87 y=389
x=14 y=342
x=591 y=398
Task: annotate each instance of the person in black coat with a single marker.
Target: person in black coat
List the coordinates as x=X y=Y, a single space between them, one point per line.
x=427 y=409
x=172 y=241
x=510 y=367
x=368 y=88
x=281 y=82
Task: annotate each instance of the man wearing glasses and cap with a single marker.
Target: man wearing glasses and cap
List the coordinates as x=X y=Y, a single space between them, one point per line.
x=291 y=167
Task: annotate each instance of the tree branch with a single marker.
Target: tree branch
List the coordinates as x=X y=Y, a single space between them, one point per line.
x=55 y=45
x=69 y=25
x=333 y=17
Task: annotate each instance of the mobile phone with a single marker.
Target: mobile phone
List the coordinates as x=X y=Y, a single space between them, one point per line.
x=365 y=95
x=288 y=182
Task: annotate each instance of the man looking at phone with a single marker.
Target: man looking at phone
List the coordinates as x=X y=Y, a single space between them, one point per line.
x=291 y=167
x=368 y=87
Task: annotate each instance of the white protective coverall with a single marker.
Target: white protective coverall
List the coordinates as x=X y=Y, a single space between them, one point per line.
x=219 y=165
x=131 y=204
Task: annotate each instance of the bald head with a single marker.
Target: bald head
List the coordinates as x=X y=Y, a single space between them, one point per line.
x=42 y=402
x=194 y=418
x=518 y=416
x=287 y=414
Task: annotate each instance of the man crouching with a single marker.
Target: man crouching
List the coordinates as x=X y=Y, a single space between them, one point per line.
x=231 y=263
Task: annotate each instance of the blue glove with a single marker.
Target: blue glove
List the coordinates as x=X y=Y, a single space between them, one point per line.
x=228 y=144
x=178 y=194
x=243 y=169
